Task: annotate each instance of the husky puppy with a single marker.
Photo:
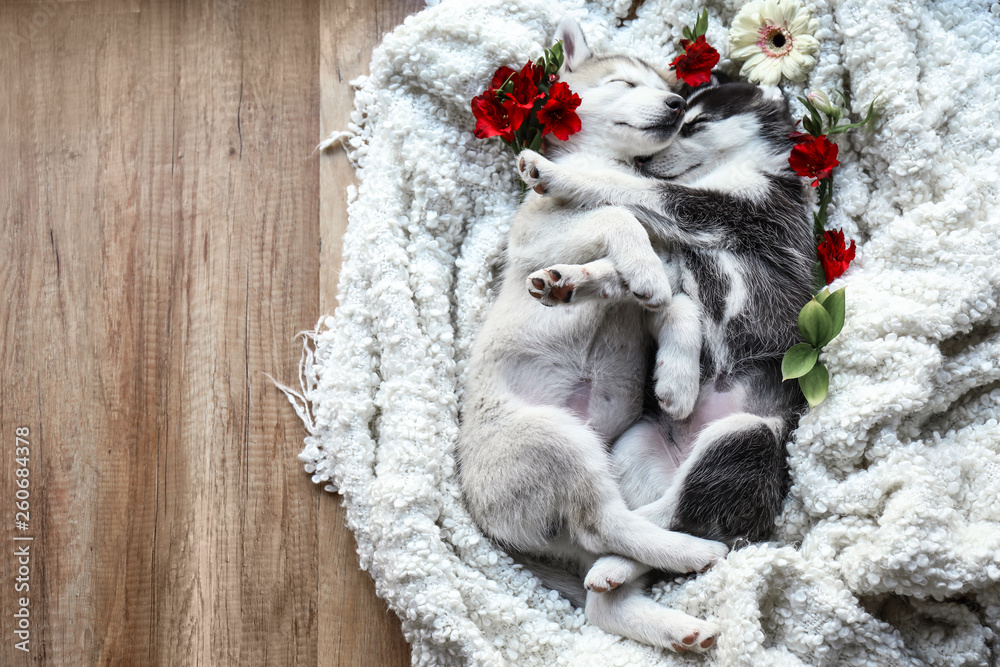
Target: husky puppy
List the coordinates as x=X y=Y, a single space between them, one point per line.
x=722 y=198
x=550 y=388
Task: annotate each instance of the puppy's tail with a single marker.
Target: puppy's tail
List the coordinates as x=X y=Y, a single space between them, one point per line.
x=556 y=576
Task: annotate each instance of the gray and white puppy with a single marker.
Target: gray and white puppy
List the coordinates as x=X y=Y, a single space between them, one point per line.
x=549 y=389
x=723 y=200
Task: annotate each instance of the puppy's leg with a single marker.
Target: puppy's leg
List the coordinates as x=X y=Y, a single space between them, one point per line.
x=630 y=613
x=566 y=283
x=610 y=572
x=665 y=207
x=615 y=234
x=582 y=187
x=678 y=357
x=644 y=464
x=621 y=531
x=588 y=187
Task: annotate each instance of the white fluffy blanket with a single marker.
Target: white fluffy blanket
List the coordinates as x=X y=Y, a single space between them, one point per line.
x=888 y=550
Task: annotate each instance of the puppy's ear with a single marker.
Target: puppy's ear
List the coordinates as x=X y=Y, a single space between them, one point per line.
x=574 y=44
x=718 y=79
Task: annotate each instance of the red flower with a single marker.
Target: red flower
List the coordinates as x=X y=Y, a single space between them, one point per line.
x=492 y=117
x=558 y=114
x=815 y=157
x=695 y=65
x=524 y=93
x=527 y=80
x=500 y=77
x=834 y=255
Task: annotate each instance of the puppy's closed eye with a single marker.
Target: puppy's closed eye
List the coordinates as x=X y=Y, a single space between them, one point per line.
x=692 y=126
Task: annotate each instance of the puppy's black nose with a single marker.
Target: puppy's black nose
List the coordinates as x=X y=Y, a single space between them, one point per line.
x=675 y=103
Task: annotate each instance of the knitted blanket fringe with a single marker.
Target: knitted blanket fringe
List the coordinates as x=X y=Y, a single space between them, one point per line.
x=888 y=549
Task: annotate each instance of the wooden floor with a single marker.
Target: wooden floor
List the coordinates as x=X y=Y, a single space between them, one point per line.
x=166 y=233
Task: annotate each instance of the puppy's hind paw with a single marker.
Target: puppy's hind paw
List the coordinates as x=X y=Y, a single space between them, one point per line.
x=697 y=638
x=609 y=573
x=531 y=167
x=703 y=554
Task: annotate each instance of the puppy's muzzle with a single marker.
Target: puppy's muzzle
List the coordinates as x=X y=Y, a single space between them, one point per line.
x=673 y=113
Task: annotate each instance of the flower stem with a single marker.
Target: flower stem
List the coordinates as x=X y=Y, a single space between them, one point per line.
x=825 y=197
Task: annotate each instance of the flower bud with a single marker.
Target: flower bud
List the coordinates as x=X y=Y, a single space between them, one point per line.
x=820 y=100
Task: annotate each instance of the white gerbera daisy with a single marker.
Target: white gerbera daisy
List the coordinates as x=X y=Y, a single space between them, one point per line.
x=775 y=38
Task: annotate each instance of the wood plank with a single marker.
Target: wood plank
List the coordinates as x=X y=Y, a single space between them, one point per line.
x=355 y=628
x=237 y=516
x=74 y=329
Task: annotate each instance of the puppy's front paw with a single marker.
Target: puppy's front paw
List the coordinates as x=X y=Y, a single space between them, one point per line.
x=649 y=284
x=676 y=385
x=532 y=167
x=551 y=286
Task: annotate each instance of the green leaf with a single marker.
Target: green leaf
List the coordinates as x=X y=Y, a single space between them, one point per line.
x=814 y=323
x=822 y=296
x=834 y=306
x=815 y=384
x=687 y=34
x=557 y=55
x=536 y=143
x=701 y=25
x=798 y=361
x=810 y=127
x=839 y=129
x=814 y=112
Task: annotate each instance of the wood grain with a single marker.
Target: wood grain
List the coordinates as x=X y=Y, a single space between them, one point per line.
x=166 y=236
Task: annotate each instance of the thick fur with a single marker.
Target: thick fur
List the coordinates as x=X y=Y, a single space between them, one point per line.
x=550 y=389
x=722 y=201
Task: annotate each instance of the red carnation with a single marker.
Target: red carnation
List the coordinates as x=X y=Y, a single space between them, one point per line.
x=694 y=66
x=834 y=254
x=500 y=77
x=558 y=114
x=814 y=158
x=492 y=117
